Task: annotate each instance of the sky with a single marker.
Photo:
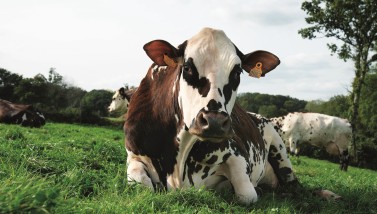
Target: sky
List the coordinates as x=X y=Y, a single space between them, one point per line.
x=98 y=44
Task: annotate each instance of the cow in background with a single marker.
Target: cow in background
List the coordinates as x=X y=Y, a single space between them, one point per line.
x=121 y=99
x=332 y=133
x=25 y=115
x=183 y=128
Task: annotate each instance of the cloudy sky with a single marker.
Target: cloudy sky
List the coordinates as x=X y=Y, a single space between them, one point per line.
x=97 y=44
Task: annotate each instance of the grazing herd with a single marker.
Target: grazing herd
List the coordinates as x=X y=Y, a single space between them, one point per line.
x=184 y=129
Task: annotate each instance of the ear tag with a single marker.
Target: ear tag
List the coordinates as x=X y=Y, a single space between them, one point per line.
x=256 y=71
x=169 y=61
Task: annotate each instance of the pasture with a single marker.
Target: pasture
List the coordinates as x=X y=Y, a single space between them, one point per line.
x=65 y=168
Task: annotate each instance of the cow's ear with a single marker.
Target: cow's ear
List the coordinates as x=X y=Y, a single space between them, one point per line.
x=161 y=52
x=129 y=94
x=258 y=63
x=121 y=91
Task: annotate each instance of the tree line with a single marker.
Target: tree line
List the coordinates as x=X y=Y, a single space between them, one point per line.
x=55 y=98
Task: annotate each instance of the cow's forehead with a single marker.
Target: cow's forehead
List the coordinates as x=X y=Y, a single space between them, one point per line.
x=117 y=94
x=212 y=50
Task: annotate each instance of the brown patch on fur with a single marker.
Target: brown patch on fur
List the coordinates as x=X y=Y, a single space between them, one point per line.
x=245 y=129
x=151 y=126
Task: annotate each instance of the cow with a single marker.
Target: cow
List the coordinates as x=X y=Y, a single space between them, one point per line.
x=183 y=128
x=120 y=99
x=320 y=130
x=25 y=115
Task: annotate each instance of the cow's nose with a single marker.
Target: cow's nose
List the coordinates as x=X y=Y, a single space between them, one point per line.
x=209 y=124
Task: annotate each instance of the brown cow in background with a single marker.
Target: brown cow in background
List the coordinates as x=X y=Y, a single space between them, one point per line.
x=25 y=115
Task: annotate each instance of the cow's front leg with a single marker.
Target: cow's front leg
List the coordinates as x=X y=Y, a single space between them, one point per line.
x=240 y=179
x=140 y=170
x=278 y=158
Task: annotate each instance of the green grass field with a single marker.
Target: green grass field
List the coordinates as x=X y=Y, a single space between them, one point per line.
x=65 y=168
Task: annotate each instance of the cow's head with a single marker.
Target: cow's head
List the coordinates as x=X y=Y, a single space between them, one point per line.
x=120 y=99
x=210 y=66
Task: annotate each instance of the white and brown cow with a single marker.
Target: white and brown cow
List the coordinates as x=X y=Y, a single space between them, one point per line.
x=120 y=99
x=183 y=128
x=332 y=133
x=25 y=115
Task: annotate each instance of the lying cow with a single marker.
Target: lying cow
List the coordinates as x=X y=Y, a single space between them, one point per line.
x=121 y=99
x=183 y=128
x=319 y=130
x=20 y=114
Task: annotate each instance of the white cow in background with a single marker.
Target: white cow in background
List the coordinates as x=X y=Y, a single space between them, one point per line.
x=319 y=130
x=121 y=99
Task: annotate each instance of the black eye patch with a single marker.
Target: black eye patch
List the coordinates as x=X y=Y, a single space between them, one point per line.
x=191 y=75
x=233 y=82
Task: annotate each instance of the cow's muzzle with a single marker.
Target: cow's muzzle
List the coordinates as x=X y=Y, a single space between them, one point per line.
x=210 y=125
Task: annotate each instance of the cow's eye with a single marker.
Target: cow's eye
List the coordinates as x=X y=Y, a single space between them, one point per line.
x=187 y=69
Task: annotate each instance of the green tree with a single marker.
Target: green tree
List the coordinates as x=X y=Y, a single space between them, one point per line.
x=8 y=82
x=354 y=24
x=268 y=111
x=95 y=103
x=368 y=106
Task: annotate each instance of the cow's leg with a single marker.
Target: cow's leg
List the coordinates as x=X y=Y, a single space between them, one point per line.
x=141 y=170
x=344 y=160
x=279 y=160
x=292 y=146
x=240 y=180
x=269 y=177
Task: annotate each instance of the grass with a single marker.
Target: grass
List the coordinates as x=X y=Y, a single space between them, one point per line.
x=65 y=168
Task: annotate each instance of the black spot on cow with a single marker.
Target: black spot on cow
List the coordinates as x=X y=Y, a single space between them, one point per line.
x=226 y=156
x=221 y=93
x=191 y=75
x=205 y=171
x=233 y=82
x=284 y=173
x=213 y=105
x=212 y=160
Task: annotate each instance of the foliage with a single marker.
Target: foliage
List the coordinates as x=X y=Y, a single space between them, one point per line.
x=95 y=103
x=63 y=168
x=8 y=81
x=270 y=105
x=337 y=106
x=368 y=106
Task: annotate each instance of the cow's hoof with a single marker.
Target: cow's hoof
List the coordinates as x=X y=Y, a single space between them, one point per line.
x=247 y=199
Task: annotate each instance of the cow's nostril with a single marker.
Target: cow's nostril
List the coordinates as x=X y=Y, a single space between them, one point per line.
x=226 y=123
x=202 y=121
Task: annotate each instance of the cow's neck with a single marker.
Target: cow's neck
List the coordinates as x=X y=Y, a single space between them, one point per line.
x=186 y=142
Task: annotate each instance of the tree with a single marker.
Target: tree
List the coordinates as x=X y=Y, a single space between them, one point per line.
x=95 y=103
x=8 y=82
x=354 y=24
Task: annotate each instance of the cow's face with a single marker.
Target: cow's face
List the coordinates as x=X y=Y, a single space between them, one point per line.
x=210 y=68
x=118 y=101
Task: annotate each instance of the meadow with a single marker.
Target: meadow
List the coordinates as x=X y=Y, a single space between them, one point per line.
x=66 y=168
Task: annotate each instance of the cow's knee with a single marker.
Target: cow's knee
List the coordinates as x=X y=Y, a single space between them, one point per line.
x=136 y=173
